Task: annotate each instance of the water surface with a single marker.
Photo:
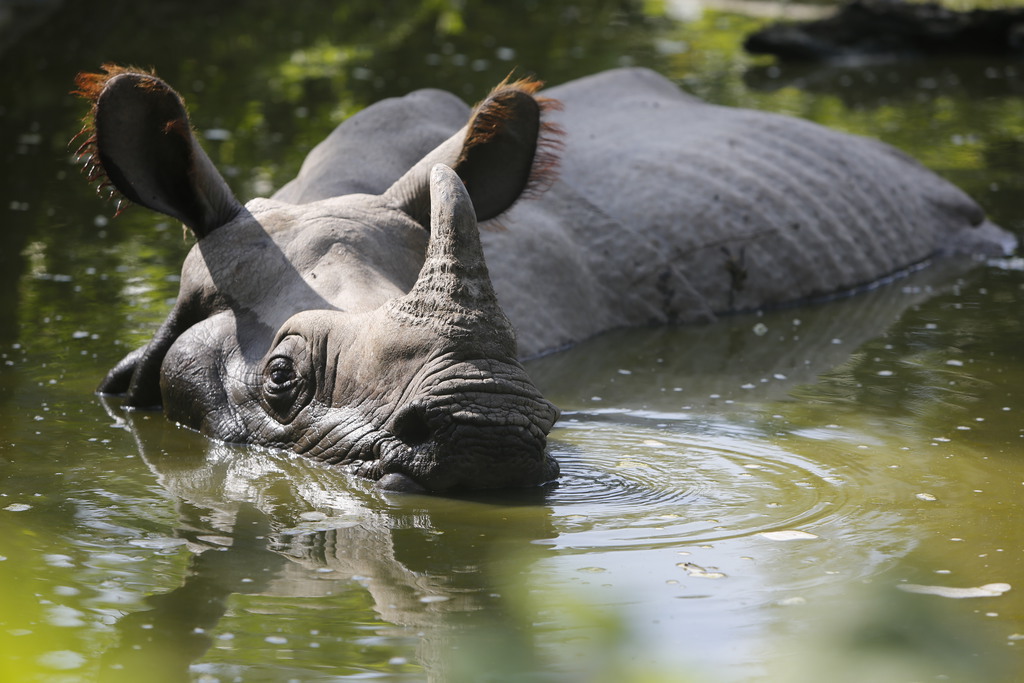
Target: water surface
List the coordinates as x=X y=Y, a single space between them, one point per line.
x=794 y=495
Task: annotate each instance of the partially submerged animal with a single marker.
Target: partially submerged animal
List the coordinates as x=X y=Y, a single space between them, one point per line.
x=352 y=317
x=892 y=29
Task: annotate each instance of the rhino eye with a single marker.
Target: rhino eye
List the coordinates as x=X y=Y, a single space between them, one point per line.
x=287 y=385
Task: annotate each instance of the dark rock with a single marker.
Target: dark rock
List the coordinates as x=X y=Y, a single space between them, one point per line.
x=889 y=28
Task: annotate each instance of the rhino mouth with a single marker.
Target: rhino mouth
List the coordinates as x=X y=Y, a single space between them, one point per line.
x=447 y=443
x=468 y=426
x=475 y=452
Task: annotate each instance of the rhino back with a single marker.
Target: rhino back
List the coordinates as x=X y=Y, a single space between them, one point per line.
x=669 y=209
x=372 y=149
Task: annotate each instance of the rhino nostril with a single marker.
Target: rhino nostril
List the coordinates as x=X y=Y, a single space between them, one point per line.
x=410 y=426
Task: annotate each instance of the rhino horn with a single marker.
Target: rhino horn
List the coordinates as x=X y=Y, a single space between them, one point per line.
x=454 y=287
x=138 y=139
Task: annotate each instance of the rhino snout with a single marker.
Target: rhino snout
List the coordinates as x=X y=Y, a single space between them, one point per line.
x=486 y=441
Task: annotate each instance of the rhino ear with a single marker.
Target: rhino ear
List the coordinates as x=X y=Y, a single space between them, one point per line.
x=505 y=151
x=508 y=148
x=140 y=140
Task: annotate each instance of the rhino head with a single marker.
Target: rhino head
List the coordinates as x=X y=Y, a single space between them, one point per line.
x=360 y=330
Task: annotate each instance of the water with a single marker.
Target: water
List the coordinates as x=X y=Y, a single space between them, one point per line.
x=740 y=501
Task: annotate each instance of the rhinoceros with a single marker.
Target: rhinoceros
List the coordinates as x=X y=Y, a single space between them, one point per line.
x=352 y=317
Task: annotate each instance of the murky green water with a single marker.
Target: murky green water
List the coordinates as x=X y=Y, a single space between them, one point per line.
x=780 y=497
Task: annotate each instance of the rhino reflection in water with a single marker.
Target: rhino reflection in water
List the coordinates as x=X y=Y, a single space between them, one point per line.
x=260 y=523
x=352 y=318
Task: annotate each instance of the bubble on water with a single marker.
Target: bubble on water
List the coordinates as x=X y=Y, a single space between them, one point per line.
x=788 y=535
x=57 y=560
x=116 y=558
x=795 y=601
x=62 y=615
x=62 y=660
x=429 y=599
x=630 y=465
x=159 y=543
x=925 y=496
x=695 y=571
x=760 y=329
x=989 y=590
x=18 y=507
x=276 y=640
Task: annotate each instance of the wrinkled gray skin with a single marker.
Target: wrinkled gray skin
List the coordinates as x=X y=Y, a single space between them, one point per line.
x=351 y=318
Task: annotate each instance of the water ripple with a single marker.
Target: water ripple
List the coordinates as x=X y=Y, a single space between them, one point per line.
x=653 y=485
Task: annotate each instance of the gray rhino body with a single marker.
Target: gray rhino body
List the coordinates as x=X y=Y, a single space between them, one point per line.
x=671 y=210
x=352 y=318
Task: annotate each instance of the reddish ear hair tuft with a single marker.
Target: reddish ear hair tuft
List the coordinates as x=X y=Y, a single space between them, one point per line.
x=487 y=122
x=504 y=114
x=89 y=87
